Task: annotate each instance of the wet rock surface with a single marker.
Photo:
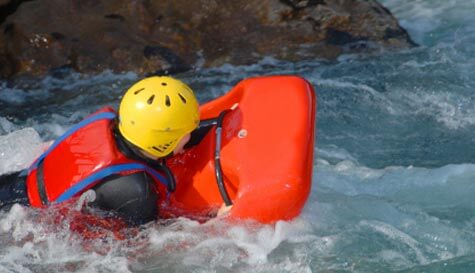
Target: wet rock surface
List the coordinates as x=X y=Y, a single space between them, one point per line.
x=147 y=36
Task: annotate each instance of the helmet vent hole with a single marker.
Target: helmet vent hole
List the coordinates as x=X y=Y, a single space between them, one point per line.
x=138 y=91
x=164 y=84
x=182 y=98
x=157 y=149
x=167 y=101
x=150 y=100
x=163 y=147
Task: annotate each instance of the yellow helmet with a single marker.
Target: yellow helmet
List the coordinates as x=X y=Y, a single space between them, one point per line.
x=156 y=113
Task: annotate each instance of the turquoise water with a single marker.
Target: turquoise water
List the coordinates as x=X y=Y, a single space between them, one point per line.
x=393 y=176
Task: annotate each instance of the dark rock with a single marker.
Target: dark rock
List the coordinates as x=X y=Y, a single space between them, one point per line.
x=57 y=36
x=336 y=37
x=115 y=16
x=172 y=36
x=8 y=7
x=397 y=33
x=166 y=54
x=298 y=4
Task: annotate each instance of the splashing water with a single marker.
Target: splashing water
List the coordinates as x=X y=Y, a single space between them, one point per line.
x=393 y=175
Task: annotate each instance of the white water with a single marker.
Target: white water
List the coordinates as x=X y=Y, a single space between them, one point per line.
x=393 y=174
x=19 y=149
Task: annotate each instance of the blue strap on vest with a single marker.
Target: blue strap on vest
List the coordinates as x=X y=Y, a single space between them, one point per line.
x=72 y=130
x=103 y=173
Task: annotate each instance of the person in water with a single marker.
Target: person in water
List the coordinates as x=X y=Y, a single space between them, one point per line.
x=118 y=156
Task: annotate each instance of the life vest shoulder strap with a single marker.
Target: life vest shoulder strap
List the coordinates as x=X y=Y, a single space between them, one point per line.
x=96 y=177
x=95 y=117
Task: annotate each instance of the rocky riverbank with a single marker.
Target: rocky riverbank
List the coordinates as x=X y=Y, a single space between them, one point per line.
x=90 y=36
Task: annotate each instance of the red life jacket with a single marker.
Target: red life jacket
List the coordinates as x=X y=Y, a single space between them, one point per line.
x=79 y=159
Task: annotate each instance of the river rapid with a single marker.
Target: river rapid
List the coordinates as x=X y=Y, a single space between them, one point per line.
x=393 y=179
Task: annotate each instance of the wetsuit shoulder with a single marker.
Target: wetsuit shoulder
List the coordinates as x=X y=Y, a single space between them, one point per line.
x=132 y=197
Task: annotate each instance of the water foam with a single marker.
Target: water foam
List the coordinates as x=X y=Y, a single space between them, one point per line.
x=32 y=242
x=218 y=244
x=19 y=149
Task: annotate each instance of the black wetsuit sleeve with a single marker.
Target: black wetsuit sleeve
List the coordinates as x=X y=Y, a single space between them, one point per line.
x=131 y=197
x=13 y=190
